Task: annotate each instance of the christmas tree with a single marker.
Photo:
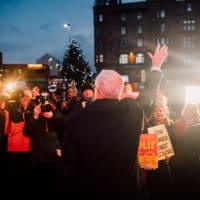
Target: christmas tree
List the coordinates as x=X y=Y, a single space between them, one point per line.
x=75 y=68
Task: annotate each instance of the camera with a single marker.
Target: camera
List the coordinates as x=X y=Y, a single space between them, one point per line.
x=46 y=108
x=42 y=98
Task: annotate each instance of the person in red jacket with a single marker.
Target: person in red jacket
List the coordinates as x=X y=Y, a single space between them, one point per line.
x=20 y=110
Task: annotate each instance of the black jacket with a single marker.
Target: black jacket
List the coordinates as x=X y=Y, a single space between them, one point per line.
x=46 y=136
x=100 y=144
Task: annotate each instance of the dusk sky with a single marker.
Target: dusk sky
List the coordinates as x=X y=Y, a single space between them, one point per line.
x=30 y=29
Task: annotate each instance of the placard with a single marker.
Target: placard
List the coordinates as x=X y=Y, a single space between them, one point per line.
x=148 y=151
x=165 y=148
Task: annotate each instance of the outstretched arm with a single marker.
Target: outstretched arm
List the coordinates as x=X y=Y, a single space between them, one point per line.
x=148 y=94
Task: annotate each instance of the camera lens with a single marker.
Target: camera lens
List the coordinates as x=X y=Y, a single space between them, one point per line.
x=46 y=108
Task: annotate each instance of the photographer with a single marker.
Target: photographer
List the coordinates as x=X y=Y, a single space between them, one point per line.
x=45 y=130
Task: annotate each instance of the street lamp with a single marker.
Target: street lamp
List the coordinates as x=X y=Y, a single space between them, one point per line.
x=68 y=26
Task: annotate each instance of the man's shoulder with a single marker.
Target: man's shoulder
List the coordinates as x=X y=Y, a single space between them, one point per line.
x=130 y=105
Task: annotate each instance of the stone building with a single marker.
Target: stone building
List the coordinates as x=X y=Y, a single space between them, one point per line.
x=125 y=32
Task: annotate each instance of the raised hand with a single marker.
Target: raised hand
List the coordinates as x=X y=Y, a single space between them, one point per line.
x=159 y=55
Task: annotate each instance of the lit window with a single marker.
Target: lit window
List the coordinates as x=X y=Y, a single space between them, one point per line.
x=139 y=42
x=188 y=42
x=163 y=27
x=101 y=58
x=139 y=15
x=139 y=29
x=162 y=13
x=189 y=25
x=189 y=7
x=139 y=58
x=97 y=59
x=162 y=41
x=123 y=17
x=123 y=30
x=100 y=18
x=188 y=60
x=131 y=58
x=123 y=59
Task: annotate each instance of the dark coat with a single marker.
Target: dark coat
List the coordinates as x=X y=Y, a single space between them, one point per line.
x=45 y=142
x=191 y=151
x=100 y=145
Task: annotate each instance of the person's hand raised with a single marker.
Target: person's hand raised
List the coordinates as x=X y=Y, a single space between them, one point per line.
x=159 y=55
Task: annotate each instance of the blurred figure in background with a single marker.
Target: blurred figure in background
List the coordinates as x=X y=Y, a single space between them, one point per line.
x=72 y=101
x=87 y=97
x=128 y=91
x=187 y=164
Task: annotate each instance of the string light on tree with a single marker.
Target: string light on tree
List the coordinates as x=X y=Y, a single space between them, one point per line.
x=75 y=67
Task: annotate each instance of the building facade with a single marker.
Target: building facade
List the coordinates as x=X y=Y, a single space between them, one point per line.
x=125 y=32
x=54 y=64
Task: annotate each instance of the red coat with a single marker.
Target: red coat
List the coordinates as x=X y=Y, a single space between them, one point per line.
x=17 y=141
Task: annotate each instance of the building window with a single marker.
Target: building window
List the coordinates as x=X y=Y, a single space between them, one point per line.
x=100 y=18
x=139 y=58
x=123 y=59
x=163 y=27
x=188 y=42
x=189 y=7
x=101 y=58
x=123 y=43
x=139 y=29
x=139 y=42
x=188 y=60
x=161 y=13
x=123 y=30
x=131 y=58
x=139 y=15
x=162 y=40
x=189 y=25
x=97 y=59
x=123 y=17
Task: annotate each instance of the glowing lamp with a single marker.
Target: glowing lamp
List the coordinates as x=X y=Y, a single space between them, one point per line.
x=192 y=94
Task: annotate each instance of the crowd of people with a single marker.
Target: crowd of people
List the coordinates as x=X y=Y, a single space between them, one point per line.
x=85 y=144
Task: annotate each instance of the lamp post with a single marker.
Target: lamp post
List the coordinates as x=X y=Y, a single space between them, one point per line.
x=68 y=26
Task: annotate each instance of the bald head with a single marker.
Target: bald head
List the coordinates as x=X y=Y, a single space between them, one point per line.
x=108 y=84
